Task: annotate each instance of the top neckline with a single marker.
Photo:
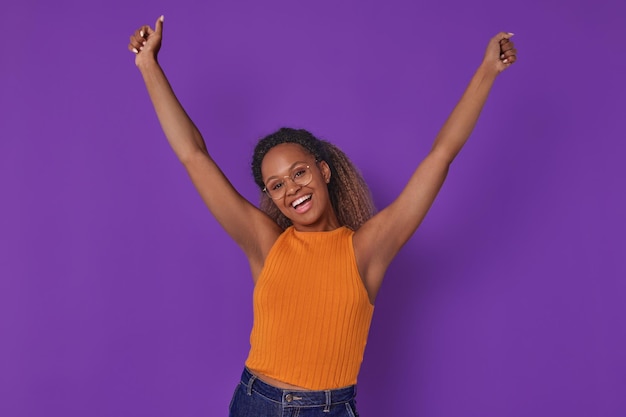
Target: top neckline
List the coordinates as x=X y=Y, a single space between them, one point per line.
x=340 y=228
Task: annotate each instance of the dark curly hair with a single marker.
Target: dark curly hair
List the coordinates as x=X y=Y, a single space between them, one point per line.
x=349 y=194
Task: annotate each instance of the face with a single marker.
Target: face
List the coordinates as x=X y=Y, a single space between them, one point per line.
x=307 y=206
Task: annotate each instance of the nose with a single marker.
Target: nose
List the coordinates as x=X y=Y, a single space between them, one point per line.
x=291 y=186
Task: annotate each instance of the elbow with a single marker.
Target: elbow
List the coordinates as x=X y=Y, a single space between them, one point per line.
x=190 y=157
x=442 y=156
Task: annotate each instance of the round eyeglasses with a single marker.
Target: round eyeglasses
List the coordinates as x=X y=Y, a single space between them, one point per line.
x=276 y=188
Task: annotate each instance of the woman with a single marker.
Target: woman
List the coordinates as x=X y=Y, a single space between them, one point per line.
x=317 y=251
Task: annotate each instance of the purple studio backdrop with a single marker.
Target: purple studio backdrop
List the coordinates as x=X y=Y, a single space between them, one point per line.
x=121 y=296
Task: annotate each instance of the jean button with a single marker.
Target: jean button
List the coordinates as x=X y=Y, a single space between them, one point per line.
x=289 y=398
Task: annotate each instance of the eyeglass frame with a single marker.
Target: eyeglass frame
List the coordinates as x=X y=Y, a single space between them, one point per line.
x=308 y=168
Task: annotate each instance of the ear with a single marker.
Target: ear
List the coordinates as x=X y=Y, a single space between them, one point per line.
x=325 y=170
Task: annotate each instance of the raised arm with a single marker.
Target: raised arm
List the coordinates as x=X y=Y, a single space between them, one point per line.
x=254 y=231
x=379 y=240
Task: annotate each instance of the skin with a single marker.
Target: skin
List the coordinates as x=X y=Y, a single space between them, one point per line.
x=378 y=241
x=278 y=162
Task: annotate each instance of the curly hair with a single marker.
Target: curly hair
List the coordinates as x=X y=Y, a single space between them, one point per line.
x=349 y=194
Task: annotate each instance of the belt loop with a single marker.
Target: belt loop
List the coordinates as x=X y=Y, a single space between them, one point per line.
x=250 y=382
x=328 y=399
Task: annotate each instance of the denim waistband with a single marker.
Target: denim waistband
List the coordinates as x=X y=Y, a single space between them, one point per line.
x=297 y=398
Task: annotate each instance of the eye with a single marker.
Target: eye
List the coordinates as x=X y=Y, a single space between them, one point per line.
x=298 y=172
x=275 y=185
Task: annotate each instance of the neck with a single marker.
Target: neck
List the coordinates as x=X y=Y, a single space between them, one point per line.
x=325 y=224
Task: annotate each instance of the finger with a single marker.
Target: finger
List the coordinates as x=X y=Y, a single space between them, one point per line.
x=509 y=53
x=136 y=42
x=502 y=40
x=502 y=37
x=137 y=39
x=509 y=60
x=159 y=25
x=507 y=46
x=144 y=31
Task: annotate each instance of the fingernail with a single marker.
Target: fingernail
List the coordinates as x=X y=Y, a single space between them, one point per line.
x=141 y=33
x=162 y=18
x=135 y=50
x=511 y=33
x=506 y=61
x=141 y=49
x=501 y=56
x=143 y=43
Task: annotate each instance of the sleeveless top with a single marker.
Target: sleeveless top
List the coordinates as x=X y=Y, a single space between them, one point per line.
x=311 y=311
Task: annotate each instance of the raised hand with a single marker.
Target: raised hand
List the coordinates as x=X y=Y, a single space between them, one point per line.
x=501 y=52
x=145 y=43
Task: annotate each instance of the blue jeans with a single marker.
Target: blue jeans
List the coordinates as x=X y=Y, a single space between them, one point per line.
x=255 y=398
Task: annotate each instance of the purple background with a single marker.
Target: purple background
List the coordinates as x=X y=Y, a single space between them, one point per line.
x=121 y=296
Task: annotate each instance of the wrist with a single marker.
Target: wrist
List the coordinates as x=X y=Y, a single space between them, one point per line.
x=488 y=70
x=146 y=62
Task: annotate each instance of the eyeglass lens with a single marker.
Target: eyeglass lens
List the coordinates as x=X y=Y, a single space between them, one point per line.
x=301 y=175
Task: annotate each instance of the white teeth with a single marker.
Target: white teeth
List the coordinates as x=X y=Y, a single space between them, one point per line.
x=300 y=200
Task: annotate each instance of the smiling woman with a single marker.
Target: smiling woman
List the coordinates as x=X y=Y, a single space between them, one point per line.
x=317 y=252
x=349 y=195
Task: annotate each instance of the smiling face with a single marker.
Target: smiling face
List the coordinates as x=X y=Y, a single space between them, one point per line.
x=307 y=206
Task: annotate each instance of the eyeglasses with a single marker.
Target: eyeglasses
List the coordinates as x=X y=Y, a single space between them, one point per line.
x=276 y=188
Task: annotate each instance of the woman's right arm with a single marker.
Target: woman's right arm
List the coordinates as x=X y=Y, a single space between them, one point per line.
x=252 y=229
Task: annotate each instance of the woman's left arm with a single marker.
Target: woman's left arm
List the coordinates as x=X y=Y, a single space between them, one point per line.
x=378 y=241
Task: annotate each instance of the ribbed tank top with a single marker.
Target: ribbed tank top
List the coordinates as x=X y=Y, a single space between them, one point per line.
x=311 y=311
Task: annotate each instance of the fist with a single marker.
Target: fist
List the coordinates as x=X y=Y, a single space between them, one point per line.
x=501 y=52
x=145 y=43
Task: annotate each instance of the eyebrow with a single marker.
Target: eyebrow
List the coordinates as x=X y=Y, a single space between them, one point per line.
x=295 y=164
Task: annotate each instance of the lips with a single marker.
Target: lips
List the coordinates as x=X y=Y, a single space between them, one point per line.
x=301 y=200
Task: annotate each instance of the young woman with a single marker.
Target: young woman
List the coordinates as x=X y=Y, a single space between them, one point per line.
x=317 y=251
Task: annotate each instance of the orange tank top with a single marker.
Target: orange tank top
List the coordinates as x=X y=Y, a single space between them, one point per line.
x=311 y=311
